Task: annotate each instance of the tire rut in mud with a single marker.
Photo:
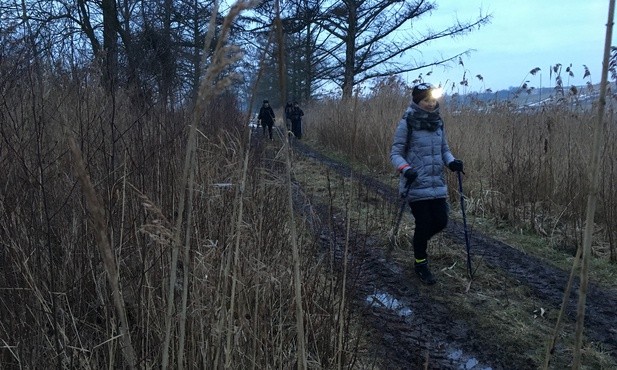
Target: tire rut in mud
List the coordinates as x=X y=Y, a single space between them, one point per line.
x=407 y=329
x=384 y=288
x=548 y=283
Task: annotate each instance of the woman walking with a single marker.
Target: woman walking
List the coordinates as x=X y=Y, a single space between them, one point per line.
x=266 y=117
x=295 y=115
x=419 y=152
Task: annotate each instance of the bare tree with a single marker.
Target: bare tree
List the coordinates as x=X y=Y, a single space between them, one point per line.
x=305 y=63
x=351 y=41
x=367 y=38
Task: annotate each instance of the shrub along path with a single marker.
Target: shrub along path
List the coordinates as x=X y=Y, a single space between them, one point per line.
x=413 y=326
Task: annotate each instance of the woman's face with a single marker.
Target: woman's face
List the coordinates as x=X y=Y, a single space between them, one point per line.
x=428 y=104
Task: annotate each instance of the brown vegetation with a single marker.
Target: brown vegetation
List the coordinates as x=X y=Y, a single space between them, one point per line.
x=527 y=170
x=138 y=234
x=57 y=306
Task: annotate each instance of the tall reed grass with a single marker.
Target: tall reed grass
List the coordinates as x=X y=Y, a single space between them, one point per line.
x=62 y=307
x=361 y=129
x=529 y=170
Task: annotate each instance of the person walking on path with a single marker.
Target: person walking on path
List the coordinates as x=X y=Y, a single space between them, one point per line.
x=295 y=116
x=266 y=118
x=288 y=109
x=419 y=152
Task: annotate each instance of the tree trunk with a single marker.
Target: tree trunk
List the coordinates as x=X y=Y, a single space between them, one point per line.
x=308 y=52
x=350 y=51
x=167 y=64
x=110 y=45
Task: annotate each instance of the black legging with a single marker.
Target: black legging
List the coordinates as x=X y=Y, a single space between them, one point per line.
x=296 y=128
x=269 y=128
x=431 y=217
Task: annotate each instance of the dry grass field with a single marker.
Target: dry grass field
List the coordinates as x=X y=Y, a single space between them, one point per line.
x=114 y=252
x=525 y=170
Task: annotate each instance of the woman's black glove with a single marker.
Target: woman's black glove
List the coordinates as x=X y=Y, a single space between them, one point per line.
x=456 y=166
x=410 y=175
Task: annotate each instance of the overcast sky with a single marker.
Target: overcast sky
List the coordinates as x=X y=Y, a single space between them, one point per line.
x=522 y=35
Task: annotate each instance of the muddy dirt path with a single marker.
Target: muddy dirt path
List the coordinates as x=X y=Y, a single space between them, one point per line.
x=410 y=329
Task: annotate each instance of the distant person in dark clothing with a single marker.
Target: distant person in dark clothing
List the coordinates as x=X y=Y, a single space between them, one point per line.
x=288 y=108
x=266 y=118
x=296 y=120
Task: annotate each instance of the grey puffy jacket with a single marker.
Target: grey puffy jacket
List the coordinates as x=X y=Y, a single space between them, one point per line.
x=427 y=152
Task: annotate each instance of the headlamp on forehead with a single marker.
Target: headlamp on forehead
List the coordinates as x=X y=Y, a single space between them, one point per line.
x=436 y=93
x=424 y=91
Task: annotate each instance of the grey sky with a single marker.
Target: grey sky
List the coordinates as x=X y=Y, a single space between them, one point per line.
x=522 y=35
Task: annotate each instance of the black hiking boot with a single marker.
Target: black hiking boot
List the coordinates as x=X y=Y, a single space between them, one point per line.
x=424 y=273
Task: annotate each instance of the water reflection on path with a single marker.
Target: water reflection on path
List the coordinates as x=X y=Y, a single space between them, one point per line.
x=465 y=362
x=381 y=299
x=457 y=356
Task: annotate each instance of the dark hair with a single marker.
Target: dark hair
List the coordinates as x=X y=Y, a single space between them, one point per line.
x=421 y=91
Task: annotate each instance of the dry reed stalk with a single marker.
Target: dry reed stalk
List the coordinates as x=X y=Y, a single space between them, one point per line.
x=236 y=259
x=593 y=191
x=160 y=231
x=123 y=210
x=147 y=309
x=83 y=364
x=186 y=264
x=296 y=264
x=280 y=328
x=550 y=348
x=222 y=57
x=225 y=274
x=112 y=339
x=302 y=355
x=202 y=100
x=97 y=212
x=255 y=328
x=341 y=313
x=10 y=349
x=31 y=281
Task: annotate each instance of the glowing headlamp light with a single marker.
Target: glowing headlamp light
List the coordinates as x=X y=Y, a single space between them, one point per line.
x=437 y=93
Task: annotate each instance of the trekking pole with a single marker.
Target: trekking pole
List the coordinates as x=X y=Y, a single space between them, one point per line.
x=400 y=213
x=467 y=244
